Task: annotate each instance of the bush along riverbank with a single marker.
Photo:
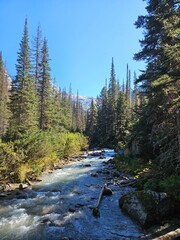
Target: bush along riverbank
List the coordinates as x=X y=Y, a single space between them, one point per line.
x=157 y=196
x=25 y=159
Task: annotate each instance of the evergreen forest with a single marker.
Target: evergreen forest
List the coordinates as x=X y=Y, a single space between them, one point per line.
x=140 y=118
x=39 y=123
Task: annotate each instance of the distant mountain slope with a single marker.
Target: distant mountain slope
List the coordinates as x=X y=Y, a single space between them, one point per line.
x=85 y=101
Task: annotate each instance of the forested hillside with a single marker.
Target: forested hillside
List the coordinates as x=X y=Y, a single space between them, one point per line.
x=39 y=123
x=147 y=122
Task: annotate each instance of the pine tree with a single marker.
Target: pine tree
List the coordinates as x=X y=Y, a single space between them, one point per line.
x=91 y=122
x=160 y=81
x=45 y=92
x=37 y=58
x=23 y=92
x=112 y=101
x=4 y=99
x=121 y=111
x=102 y=117
x=66 y=111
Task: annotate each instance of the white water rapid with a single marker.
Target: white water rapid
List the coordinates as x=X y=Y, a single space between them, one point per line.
x=60 y=207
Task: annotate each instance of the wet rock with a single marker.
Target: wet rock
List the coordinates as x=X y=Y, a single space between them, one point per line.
x=110 y=161
x=23 y=186
x=107 y=191
x=87 y=165
x=96 y=212
x=57 y=223
x=76 y=192
x=72 y=210
x=95 y=154
x=102 y=157
x=93 y=198
x=6 y=187
x=46 y=221
x=79 y=205
x=38 y=180
x=94 y=174
x=3 y=195
x=149 y=207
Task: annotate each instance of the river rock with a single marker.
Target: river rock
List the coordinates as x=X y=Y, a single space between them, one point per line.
x=149 y=207
x=94 y=174
x=23 y=186
x=2 y=195
x=107 y=191
x=5 y=187
x=87 y=165
x=72 y=210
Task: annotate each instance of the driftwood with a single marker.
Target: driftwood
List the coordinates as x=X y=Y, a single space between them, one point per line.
x=28 y=182
x=125 y=183
x=96 y=211
x=104 y=191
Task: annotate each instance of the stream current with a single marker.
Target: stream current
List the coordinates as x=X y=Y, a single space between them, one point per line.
x=60 y=207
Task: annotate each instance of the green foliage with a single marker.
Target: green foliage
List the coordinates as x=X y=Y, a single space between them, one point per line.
x=22 y=171
x=149 y=175
x=4 y=99
x=157 y=130
x=37 y=151
x=111 y=122
x=171 y=185
x=132 y=165
x=23 y=92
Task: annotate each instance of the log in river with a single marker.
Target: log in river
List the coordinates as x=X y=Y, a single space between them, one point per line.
x=60 y=206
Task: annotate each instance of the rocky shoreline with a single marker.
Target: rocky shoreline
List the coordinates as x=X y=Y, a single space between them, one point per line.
x=134 y=203
x=14 y=190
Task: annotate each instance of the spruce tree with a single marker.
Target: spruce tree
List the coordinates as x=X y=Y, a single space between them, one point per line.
x=160 y=81
x=112 y=101
x=45 y=92
x=37 y=58
x=91 y=123
x=4 y=99
x=102 y=117
x=23 y=91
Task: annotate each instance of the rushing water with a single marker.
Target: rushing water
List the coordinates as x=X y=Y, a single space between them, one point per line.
x=61 y=206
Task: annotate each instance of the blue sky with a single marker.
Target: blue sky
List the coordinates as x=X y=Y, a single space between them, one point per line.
x=83 y=36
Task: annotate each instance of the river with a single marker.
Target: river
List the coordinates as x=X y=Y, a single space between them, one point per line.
x=60 y=207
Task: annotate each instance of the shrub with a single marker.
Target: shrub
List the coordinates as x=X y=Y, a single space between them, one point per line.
x=22 y=171
x=171 y=185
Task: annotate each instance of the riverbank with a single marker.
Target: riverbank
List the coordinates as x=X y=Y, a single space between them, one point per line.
x=161 y=215
x=60 y=206
x=11 y=189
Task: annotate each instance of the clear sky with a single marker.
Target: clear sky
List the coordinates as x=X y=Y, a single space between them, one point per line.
x=83 y=36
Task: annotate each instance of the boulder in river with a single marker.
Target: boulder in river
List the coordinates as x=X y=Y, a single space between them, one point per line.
x=87 y=165
x=93 y=174
x=107 y=191
x=149 y=207
x=72 y=210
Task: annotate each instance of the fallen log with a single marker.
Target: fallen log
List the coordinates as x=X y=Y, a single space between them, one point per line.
x=104 y=191
x=96 y=211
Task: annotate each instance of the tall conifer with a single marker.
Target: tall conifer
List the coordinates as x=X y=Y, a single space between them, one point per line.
x=23 y=94
x=4 y=99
